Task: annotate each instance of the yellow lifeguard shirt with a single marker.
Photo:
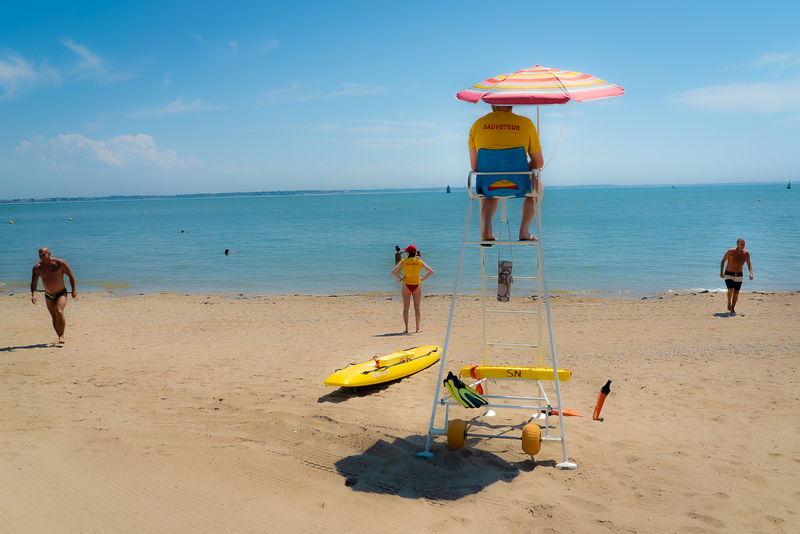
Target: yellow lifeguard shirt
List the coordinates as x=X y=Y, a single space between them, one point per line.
x=504 y=129
x=411 y=269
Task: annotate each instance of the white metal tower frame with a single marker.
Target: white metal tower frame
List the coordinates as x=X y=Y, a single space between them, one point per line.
x=540 y=411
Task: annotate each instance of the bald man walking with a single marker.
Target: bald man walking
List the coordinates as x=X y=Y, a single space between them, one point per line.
x=733 y=273
x=52 y=271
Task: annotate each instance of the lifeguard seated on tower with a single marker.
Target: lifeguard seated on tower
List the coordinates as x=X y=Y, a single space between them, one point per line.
x=500 y=130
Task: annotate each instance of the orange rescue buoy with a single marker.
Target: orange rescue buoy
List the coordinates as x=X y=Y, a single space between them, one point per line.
x=601 y=398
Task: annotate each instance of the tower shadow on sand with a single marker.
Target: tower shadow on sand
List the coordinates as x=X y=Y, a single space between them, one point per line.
x=394 y=469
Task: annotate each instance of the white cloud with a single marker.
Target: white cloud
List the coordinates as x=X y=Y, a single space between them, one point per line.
x=269 y=46
x=403 y=124
x=197 y=37
x=778 y=59
x=235 y=170
x=92 y=66
x=167 y=80
x=17 y=72
x=280 y=96
x=358 y=89
x=369 y=129
x=121 y=152
x=175 y=107
x=414 y=141
x=231 y=47
x=746 y=97
x=299 y=93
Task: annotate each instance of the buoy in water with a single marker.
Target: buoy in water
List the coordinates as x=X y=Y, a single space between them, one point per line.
x=70 y=218
x=144 y=214
x=10 y=222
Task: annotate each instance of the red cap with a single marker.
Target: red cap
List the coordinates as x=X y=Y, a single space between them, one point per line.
x=411 y=249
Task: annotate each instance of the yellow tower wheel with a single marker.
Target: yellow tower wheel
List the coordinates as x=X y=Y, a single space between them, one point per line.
x=456 y=434
x=531 y=439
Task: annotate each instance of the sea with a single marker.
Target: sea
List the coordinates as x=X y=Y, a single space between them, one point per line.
x=629 y=242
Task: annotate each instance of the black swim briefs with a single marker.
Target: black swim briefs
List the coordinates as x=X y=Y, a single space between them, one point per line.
x=57 y=295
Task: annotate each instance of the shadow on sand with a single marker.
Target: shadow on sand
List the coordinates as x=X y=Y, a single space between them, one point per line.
x=726 y=315
x=344 y=394
x=39 y=346
x=394 y=469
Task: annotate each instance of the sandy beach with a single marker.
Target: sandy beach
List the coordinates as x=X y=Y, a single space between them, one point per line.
x=197 y=413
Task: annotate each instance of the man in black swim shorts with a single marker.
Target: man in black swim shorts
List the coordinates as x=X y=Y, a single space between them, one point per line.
x=52 y=271
x=56 y=296
x=733 y=273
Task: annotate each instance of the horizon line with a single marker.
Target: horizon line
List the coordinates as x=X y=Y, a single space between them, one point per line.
x=309 y=192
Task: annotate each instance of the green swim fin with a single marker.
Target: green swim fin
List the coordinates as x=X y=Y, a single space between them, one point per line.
x=463 y=394
x=448 y=383
x=475 y=398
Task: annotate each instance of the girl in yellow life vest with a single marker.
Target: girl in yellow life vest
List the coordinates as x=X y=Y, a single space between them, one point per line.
x=412 y=267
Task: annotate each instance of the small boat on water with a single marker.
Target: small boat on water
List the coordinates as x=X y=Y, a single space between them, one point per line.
x=790 y=185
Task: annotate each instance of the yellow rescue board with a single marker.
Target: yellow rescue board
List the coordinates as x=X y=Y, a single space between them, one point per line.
x=384 y=369
x=520 y=373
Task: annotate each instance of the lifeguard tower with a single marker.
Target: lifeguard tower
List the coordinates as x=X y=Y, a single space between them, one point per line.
x=536 y=86
x=504 y=174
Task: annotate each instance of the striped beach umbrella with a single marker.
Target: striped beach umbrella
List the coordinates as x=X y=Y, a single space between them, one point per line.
x=539 y=86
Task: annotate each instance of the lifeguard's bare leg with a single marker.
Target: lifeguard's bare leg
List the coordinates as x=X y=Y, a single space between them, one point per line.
x=488 y=210
x=528 y=213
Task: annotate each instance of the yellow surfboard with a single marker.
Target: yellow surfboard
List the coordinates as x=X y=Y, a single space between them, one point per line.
x=519 y=373
x=384 y=369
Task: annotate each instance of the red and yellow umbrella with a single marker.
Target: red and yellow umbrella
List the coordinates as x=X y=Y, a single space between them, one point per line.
x=539 y=86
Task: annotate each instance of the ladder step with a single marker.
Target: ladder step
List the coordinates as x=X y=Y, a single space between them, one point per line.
x=516 y=278
x=502 y=242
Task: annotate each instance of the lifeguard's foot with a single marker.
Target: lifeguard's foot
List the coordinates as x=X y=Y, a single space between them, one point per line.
x=527 y=237
x=61 y=340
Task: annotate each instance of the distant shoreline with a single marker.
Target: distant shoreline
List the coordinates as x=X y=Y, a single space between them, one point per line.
x=316 y=192
x=301 y=193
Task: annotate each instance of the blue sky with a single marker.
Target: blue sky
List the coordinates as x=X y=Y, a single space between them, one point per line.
x=192 y=97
